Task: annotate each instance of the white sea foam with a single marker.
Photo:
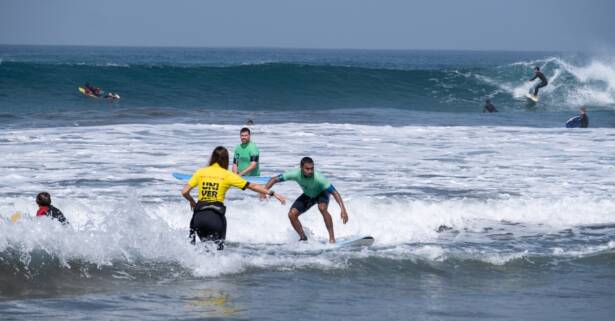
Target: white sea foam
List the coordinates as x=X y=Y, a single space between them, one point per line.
x=570 y=84
x=400 y=184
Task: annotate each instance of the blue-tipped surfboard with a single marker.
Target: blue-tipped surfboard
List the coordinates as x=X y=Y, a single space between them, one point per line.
x=251 y=179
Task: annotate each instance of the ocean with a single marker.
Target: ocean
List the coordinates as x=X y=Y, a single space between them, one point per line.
x=502 y=216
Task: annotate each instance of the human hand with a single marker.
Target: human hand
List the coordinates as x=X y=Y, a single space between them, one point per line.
x=280 y=198
x=344 y=216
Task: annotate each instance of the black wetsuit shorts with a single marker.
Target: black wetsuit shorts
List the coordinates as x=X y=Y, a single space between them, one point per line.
x=304 y=202
x=209 y=223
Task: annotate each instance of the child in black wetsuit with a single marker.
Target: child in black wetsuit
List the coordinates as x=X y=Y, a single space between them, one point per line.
x=45 y=208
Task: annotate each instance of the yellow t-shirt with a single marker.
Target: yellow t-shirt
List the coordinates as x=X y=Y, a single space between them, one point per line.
x=214 y=181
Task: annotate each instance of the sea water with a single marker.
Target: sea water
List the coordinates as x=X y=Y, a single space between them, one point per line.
x=505 y=216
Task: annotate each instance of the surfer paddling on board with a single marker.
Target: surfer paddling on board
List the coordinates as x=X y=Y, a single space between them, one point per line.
x=90 y=90
x=208 y=220
x=316 y=190
x=245 y=161
x=543 y=82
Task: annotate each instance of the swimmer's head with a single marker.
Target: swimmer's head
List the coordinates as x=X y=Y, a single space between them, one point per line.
x=43 y=199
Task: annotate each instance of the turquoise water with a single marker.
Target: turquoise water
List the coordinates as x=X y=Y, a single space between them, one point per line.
x=505 y=216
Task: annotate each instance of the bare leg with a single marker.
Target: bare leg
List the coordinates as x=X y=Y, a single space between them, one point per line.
x=293 y=215
x=323 y=208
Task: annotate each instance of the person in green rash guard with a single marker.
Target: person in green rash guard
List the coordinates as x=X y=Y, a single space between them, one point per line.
x=245 y=162
x=316 y=190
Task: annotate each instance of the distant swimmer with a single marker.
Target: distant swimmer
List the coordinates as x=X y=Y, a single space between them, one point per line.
x=249 y=122
x=45 y=208
x=543 y=81
x=246 y=155
x=209 y=216
x=580 y=121
x=489 y=108
x=316 y=190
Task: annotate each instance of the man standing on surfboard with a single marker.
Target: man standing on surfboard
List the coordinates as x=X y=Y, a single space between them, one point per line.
x=543 y=82
x=245 y=162
x=316 y=190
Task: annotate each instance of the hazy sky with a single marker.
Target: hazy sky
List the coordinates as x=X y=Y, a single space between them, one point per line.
x=426 y=24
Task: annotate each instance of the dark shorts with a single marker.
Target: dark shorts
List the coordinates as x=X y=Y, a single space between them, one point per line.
x=304 y=202
x=209 y=223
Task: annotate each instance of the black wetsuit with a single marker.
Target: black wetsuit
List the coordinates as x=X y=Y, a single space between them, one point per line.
x=52 y=212
x=584 y=121
x=209 y=223
x=543 y=82
x=489 y=108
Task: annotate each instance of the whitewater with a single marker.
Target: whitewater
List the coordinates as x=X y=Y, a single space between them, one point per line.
x=475 y=216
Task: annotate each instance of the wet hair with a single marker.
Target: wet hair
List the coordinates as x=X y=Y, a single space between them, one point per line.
x=43 y=199
x=220 y=156
x=245 y=130
x=488 y=100
x=306 y=160
x=537 y=68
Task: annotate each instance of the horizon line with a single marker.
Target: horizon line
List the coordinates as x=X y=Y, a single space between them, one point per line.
x=284 y=48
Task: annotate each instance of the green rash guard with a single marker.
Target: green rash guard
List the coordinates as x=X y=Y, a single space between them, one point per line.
x=311 y=186
x=244 y=155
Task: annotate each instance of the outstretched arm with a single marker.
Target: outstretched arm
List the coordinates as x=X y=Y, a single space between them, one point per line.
x=272 y=181
x=340 y=202
x=266 y=191
x=186 y=195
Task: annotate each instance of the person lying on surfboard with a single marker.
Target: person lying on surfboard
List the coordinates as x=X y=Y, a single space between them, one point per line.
x=97 y=92
x=543 y=81
x=91 y=90
x=316 y=190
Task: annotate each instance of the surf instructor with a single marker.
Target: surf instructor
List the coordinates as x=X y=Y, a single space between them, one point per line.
x=543 y=81
x=316 y=190
x=245 y=161
x=208 y=219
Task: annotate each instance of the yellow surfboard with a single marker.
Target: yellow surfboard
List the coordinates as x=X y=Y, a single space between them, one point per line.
x=15 y=217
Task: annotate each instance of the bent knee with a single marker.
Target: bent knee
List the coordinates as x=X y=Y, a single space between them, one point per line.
x=293 y=214
x=323 y=207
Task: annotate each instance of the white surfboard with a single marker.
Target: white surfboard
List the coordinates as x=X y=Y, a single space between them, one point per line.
x=532 y=97
x=354 y=242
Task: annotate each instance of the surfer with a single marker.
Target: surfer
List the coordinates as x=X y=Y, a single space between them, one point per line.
x=584 y=120
x=43 y=199
x=489 y=108
x=208 y=219
x=245 y=161
x=316 y=190
x=579 y=121
x=91 y=90
x=543 y=81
